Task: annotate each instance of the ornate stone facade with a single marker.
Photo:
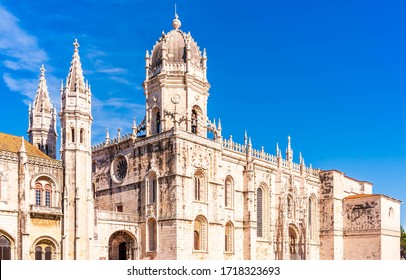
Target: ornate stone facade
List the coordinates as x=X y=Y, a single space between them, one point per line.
x=174 y=188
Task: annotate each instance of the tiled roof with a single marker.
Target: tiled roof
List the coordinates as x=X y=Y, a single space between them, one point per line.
x=12 y=144
x=361 y=196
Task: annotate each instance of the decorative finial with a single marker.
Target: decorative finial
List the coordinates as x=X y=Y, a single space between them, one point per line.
x=107 y=137
x=176 y=22
x=76 y=45
x=134 y=129
x=289 y=152
x=22 y=148
x=42 y=69
x=302 y=162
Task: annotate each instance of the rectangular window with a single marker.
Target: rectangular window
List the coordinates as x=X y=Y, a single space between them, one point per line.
x=47 y=198
x=37 y=197
x=119 y=208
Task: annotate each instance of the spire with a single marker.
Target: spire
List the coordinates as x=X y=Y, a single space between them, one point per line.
x=250 y=165
x=118 y=134
x=107 y=136
x=176 y=22
x=134 y=129
x=42 y=119
x=75 y=82
x=22 y=148
x=42 y=101
x=289 y=152
x=42 y=69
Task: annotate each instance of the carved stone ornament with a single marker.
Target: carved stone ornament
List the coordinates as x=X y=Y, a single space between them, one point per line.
x=151 y=212
x=175 y=99
x=200 y=162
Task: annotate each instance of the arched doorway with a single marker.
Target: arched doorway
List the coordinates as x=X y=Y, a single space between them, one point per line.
x=122 y=246
x=293 y=244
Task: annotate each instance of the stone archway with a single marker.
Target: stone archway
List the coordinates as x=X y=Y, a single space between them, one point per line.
x=293 y=243
x=122 y=246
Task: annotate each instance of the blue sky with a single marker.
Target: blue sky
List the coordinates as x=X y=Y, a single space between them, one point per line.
x=331 y=74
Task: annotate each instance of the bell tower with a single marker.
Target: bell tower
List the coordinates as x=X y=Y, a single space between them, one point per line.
x=76 y=123
x=176 y=86
x=42 y=120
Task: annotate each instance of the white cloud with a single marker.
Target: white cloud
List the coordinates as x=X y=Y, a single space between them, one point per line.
x=20 y=48
x=23 y=58
x=27 y=87
x=106 y=115
x=111 y=70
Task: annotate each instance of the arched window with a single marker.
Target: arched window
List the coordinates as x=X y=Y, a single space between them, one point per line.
x=260 y=214
x=228 y=192
x=72 y=131
x=43 y=192
x=94 y=166
x=152 y=188
x=48 y=191
x=48 y=253
x=152 y=235
x=38 y=194
x=199 y=186
x=312 y=217
x=38 y=253
x=82 y=136
x=229 y=238
x=200 y=234
x=45 y=249
x=194 y=121
x=158 y=122
x=5 y=248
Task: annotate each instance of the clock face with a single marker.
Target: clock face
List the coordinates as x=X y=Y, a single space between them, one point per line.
x=119 y=168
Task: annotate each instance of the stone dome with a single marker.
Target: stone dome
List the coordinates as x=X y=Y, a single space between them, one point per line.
x=175 y=42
